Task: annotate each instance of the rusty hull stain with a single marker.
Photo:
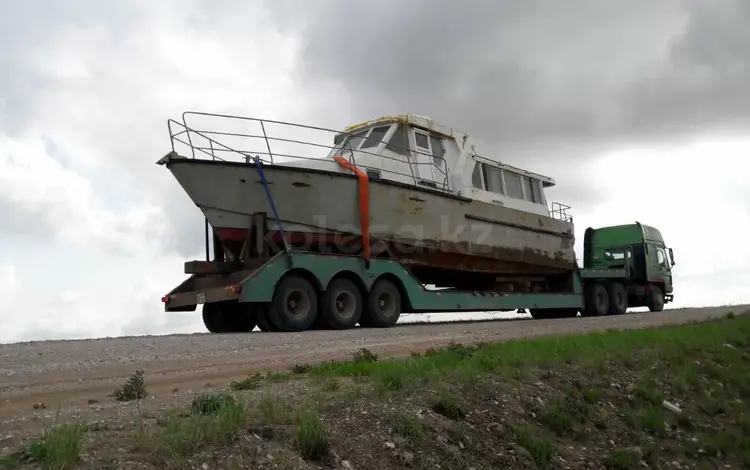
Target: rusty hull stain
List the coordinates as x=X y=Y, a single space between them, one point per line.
x=480 y=258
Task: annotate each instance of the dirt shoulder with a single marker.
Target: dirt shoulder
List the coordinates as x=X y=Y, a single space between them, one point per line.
x=668 y=397
x=76 y=377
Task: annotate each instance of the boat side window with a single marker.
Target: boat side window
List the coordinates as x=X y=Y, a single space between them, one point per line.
x=476 y=176
x=533 y=189
x=513 y=184
x=375 y=137
x=421 y=140
x=493 y=179
x=399 y=142
x=438 y=151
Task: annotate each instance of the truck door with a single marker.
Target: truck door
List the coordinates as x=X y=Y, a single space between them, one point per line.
x=660 y=270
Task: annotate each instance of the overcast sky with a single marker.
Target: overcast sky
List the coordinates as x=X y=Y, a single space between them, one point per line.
x=639 y=110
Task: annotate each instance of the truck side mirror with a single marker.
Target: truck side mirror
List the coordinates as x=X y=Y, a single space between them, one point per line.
x=671 y=256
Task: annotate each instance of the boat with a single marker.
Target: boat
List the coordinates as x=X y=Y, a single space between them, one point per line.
x=401 y=186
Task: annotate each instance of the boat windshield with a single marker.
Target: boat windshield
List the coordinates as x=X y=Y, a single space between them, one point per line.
x=347 y=143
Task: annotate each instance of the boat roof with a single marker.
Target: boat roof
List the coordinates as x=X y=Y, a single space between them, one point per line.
x=415 y=120
x=482 y=150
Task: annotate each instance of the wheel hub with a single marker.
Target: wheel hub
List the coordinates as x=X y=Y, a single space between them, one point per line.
x=344 y=304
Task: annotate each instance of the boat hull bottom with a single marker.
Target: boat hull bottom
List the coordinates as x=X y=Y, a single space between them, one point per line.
x=422 y=254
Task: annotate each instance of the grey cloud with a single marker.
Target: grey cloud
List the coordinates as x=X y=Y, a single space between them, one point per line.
x=529 y=74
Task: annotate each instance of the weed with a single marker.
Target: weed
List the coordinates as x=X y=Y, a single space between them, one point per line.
x=449 y=405
x=275 y=410
x=541 y=450
x=651 y=421
x=214 y=419
x=250 y=383
x=409 y=426
x=623 y=459
x=364 y=356
x=58 y=448
x=301 y=368
x=133 y=389
x=211 y=403
x=311 y=439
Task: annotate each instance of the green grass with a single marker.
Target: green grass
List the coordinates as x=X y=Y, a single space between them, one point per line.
x=58 y=448
x=671 y=344
x=409 y=426
x=311 y=438
x=213 y=420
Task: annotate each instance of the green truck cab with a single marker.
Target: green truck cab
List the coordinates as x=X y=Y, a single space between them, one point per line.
x=640 y=251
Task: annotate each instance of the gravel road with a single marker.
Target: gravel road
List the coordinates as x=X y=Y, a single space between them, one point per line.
x=76 y=375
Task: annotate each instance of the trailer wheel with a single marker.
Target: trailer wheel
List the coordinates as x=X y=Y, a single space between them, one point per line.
x=342 y=304
x=597 y=301
x=262 y=317
x=294 y=305
x=618 y=299
x=542 y=313
x=656 y=299
x=209 y=318
x=383 y=304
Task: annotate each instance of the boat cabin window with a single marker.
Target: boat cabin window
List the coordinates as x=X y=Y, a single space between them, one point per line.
x=513 y=185
x=507 y=183
x=375 y=137
x=493 y=179
x=438 y=151
x=533 y=189
x=422 y=141
x=399 y=141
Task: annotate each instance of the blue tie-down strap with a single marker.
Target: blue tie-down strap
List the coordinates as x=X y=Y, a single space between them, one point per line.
x=259 y=167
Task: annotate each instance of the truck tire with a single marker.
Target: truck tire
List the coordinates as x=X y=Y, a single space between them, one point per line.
x=341 y=306
x=655 y=299
x=383 y=305
x=618 y=298
x=294 y=305
x=597 y=300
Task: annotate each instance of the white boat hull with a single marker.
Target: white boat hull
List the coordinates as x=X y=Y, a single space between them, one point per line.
x=419 y=220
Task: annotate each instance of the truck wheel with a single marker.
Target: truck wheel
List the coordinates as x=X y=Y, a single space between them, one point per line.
x=656 y=299
x=294 y=305
x=342 y=305
x=618 y=299
x=383 y=304
x=597 y=300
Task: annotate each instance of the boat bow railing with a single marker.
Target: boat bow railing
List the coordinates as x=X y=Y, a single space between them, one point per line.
x=227 y=137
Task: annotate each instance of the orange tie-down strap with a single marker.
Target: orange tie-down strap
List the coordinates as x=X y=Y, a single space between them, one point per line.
x=364 y=202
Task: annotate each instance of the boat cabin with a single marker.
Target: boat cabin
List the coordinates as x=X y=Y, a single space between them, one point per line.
x=414 y=150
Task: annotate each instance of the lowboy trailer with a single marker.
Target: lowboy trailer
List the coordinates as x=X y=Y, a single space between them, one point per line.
x=287 y=288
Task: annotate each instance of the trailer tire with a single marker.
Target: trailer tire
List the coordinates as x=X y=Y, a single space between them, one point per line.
x=618 y=298
x=294 y=305
x=542 y=313
x=597 y=300
x=655 y=299
x=383 y=304
x=262 y=318
x=341 y=306
x=209 y=318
